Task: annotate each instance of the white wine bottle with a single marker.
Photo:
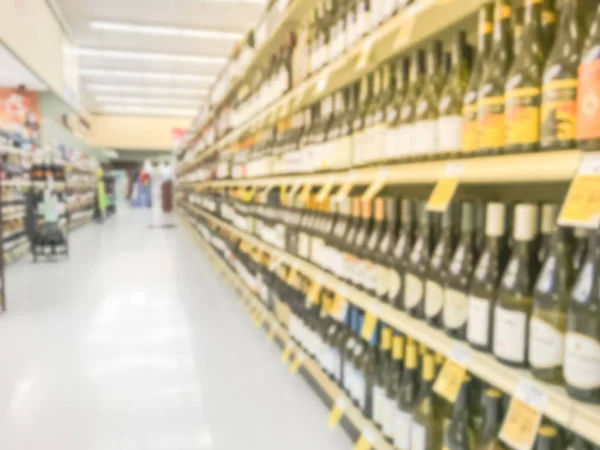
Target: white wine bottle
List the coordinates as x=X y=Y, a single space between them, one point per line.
x=426 y=428
x=406 y=396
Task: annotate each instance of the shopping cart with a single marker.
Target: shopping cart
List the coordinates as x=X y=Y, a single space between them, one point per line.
x=50 y=236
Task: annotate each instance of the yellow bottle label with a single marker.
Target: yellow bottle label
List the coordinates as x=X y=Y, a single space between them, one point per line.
x=398 y=350
x=522 y=116
x=490 y=123
x=386 y=338
x=469 y=128
x=559 y=112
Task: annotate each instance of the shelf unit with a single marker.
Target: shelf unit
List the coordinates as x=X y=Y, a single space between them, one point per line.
x=581 y=418
x=405 y=30
x=313 y=369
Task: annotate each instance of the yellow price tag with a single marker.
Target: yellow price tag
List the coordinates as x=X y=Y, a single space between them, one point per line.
x=314 y=291
x=291 y=277
x=377 y=185
x=445 y=188
x=272 y=332
x=369 y=325
x=521 y=424
x=305 y=193
x=450 y=380
x=346 y=187
x=295 y=366
x=339 y=308
x=582 y=205
x=337 y=411
x=366 y=440
x=287 y=352
x=325 y=190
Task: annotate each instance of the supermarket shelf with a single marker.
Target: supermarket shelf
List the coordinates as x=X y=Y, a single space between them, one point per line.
x=16 y=183
x=524 y=168
x=417 y=23
x=9 y=149
x=310 y=365
x=581 y=418
x=14 y=216
x=57 y=185
x=79 y=223
x=16 y=253
x=14 y=235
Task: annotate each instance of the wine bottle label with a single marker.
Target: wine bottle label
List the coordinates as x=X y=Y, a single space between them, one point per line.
x=378 y=401
x=582 y=361
x=413 y=291
x=360 y=393
x=588 y=100
x=348 y=376
x=546 y=344
x=522 y=116
x=418 y=437
x=426 y=136
x=395 y=284
x=370 y=275
x=559 y=112
x=406 y=139
x=449 y=133
x=456 y=309
x=469 y=127
x=387 y=419
x=490 y=122
x=402 y=430
x=382 y=281
x=510 y=329
x=434 y=298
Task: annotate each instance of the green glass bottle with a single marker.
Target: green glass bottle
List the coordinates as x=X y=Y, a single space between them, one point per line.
x=548 y=322
x=514 y=303
x=582 y=343
x=547 y=438
x=384 y=365
x=406 y=396
x=493 y=417
x=549 y=23
x=460 y=434
x=392 y=379
x=426 y=428
x=400 y=254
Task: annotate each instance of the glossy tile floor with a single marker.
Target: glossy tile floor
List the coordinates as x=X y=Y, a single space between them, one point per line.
x=134 y=343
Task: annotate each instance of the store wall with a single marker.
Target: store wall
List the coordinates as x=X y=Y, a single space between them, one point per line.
x=135 y=133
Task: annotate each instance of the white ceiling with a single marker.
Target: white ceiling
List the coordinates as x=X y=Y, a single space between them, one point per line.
x=13 y=73
x=216 y=15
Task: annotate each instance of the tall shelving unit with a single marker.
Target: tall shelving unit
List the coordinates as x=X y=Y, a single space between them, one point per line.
x=220 y=200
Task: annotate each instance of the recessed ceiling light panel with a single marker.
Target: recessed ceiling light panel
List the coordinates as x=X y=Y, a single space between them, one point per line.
x=125 y=27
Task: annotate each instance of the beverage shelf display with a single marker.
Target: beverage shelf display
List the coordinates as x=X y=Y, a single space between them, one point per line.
x=409 y=189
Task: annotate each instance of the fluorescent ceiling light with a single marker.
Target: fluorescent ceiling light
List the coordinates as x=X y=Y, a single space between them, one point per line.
x=147 y=75
x=146 y=100
x=147 y=110
x=145 y=89
x=125 y=27
x=142 y=56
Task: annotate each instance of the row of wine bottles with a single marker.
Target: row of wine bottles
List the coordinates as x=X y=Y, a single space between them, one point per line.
x=528 y=295
x=389 y=377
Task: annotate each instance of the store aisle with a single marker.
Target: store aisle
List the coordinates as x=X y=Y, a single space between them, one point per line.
x=134 y=343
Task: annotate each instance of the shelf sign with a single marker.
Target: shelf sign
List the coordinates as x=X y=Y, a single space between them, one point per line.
x=452 y=375
x=305 y=193
x=339 y=307
x=337 y=411
x=445 y=188
x=298 y=360
x=313 y=293
x=272 y=331
x=367 y=439
x=293 y=192
x=524 y=416
x=346 y=187
x=582 y=205
x=404 y=33
x=377 y=185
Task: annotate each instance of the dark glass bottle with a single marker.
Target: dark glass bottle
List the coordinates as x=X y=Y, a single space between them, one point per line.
x=460 y=434
x=384 y=365
x=399 y=260
x=392 y=378
x=406 y=397
x=493 y=416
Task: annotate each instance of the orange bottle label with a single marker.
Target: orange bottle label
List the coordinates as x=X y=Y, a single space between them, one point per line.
x=588 y=101
x=490 y=123
x=522 y=116
x=559 y=111
x=469 y=128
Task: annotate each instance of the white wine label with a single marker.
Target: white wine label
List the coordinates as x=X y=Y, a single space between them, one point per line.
x=418 y=437
x=449 y=133
x=395 y=283
x=402 y=430
x=378 y=404
x=406 y=139
x=434 y=298
x=382 y=281
x=426 y=136
x=582 y=361
x=391 y=144
x=413 y=291
x=546 y=344
x=478 y=322
x=456 y=309
x=387 y=419
x=510 y=329
x=303 y=245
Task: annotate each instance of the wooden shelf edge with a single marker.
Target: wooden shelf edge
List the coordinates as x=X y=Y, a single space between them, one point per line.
x=311 y=366
x=581 y=418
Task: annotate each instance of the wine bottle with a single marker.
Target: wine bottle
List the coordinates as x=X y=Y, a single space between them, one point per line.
x=361 y=144
x=458 y=280
x=368 y=253
x=547 y=229
x=407 y=132
x=549 y=23
x=407 y=391
x=550 y=304
x=580 y=248
x=513 y=306
x=547 y=438
x=358 y=271
x=518 y=29
x=460 y=434
x=367 y=365
x=437 y=272
x=522 y=128
x=351 y=340
x=578 y=443
x=349 y=259
x=392 y=379
x=469 y=124
x=416 y=267
x=383 y=253
x=588 y=133
x=493 y=416
x=426 y=114
x=491 y=91
x=400 y=255
x=449 y=124
x=486 y=277
x=384 y=365
x=582 y=342
x=426 y=428
x=393 y=146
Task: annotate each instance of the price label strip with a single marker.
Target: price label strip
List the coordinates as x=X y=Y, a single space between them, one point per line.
x=446 y=187
x=337 y=411
x=524 y=416
x=287 y=352
x=272 y=331
x=297 y=362
x=367 y=439
x=377 y=185
x=452 y=375
x=582 y=205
